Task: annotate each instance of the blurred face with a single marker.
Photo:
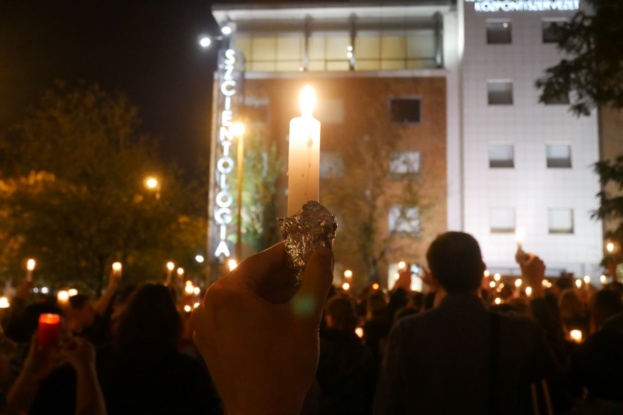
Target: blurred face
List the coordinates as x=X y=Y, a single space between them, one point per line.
x=82 y=318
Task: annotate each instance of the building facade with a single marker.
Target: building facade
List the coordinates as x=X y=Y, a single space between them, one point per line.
x=439 y=97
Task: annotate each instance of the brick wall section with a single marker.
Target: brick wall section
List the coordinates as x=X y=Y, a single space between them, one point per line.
x=366 y=108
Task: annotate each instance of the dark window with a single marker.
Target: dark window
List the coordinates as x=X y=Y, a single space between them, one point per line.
x=499 y=32
x=500 y=93
x=562 y=99
x=551 y=30
x=405 y=110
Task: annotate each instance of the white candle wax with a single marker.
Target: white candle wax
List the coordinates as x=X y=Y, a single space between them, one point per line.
x=304 y=156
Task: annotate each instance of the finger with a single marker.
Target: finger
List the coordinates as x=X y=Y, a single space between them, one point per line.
x=258 y=267
x=309 y=301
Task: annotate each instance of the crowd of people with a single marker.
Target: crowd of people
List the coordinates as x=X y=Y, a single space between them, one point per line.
x=261 y=342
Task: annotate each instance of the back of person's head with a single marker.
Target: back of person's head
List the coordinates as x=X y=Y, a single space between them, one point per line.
x=149 y=322
x=570 y=303
x=341 y=314
x=604 y=304
x=455 y=260
x=416 y=301
x=404 y=312
x=376 y=305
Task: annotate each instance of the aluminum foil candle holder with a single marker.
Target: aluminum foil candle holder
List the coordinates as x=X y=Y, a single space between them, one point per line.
x=313 y=227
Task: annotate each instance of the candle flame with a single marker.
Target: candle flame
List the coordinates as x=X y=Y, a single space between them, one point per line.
x=71 y=292
x=170 y=266
x=519 y=235
x=116 y=266
x=587 y=279
x=232 y=264
x=180 y=271
x=4 y=302
x=359 y=332
x=348 y=273
x=486 y=273
x=497 y=277
x=498 y=301
x=346 y=286
x=307 y=101
x=402 y=265
x=518 y=282
x=610 y=247
x=30 y=265
x=62 y=296
x=528 y=291
x=576 y=335
x=578 y=283
x=603 y=279
x=48 y=318
x=375 y=286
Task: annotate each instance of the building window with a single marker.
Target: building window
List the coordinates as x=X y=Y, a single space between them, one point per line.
x=500 y=92
x=404 y=220
x=558 y=156
x=502 y=220
x=405 y=110
x=501 y=156
x=551 y=29
x=560 y=221
x=499 y=32
x=331 y=165
x=330 y=111
x=404 y=162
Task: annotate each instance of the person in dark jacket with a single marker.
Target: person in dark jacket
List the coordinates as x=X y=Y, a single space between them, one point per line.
x=346 y=373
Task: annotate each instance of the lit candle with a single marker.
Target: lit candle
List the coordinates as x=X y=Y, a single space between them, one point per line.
x=49 y=329
x=578 y=283
x=71 y=292
x=170 y=268
x=359 y=332
x=486 y=273
x=346 y=286
x=603 y=279
x=497 y=277
x=4 y=302
x=197 y=290
x=610 y=247
x=62 y=297
x=30 y=267
x=518 y=283
x=587 y=282
x=492 y=284
x=187 y=308
x=116 y=269
x=528 y=291
x=180 y=272
x=189 y=289
x=232 y=264
x=402 y=265
x=196 y=305
x=348 y=274
x=375 y=286
x=498 y=301
x=576 y=335
x=304 y=154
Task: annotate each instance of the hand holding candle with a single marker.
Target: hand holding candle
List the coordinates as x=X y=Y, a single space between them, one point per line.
x=116 y=270
x=304 y=155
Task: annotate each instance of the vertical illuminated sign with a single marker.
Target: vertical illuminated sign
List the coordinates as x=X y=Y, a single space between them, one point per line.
x=223 y=199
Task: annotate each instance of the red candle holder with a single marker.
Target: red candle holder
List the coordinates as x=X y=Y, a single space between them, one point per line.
x=49 y=330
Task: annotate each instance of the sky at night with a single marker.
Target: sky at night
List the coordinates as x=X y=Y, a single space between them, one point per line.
x=145 y=49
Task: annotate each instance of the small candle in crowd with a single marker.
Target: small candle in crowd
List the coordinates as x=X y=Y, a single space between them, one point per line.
x=197 y=291
x=62 y=297
x=346 y=286
x=187 y=308
x=4 y=302
x=232 y=264
x=498 y=301
x=30 y=267
x=497 y=277
x=196 y=305
x=576 y=335
x=375 y=286
x=587 y=279
x=519 y=235
x=49 y=329
x=529 y=291
x=486 y=273
x=359 y=332
x=610 y=247
x=348 y=274
x=578 y=283
x=603 y=279
x=518 y=282
x=71 y=292
x=492 y=284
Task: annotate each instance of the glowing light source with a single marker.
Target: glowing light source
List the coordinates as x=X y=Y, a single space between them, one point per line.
x=519 y=236
x=402 y=265
x=4 y=302
x=578 y=283
x=226 y=30
x=359 y=332
x=180 y=272
x=346 y=286
x=492 y=284
x=170 y=266
x=498 y=301
x=587 y=279
x=486 y=273
x=116 y=266
x=30 y=264
x=196 y=305
x=197 y=290
x=518 y=282
x=151 y=183
x=375 y=286
x=45 y=290
x=576 y=335
x=199 y=258
x=610 y=247
x=232 y=264
x=307 y=101
x=348 y=274
x=603 y=279
x=71 y=292
x=497 y=277
x=62 y=296
x=529 y=291
x=205 y=42
x=187 y=308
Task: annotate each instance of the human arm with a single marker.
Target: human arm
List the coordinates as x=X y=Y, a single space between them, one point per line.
x=258 y=333
x=89 y=399
x=102 y=303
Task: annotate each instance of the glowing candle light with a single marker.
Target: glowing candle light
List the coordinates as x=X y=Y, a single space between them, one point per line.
x=62 y=297
x=402 y=265
x=359 y=332
x=232 y=264
x=4 y=302
x=30 y=267
x=576 y=336
x=170 y=268
x=304 y=154
x=498 y=301
x=187 y=308
x=197 y=290
x=603 y=279
x=587 y=279
x=578 y=283
x=497 y=277
x=529 y=291
x=348 y=274
x=116 y=269
x=518 y=282
x=492 y=284
x=486 y=273
x=375 y=286
x=346 y=286
x=180 y=272
x=196 y=305
x=71 y=292
x=49 y=329
x=610 y=247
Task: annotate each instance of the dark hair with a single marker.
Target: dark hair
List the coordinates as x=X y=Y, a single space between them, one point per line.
x=78 y=301
x=342 y=312
x=455 y=260
x=149 y=322
x=608 y=302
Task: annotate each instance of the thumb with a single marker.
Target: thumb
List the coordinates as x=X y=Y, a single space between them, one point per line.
x=309 y=301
